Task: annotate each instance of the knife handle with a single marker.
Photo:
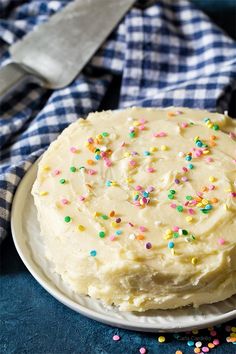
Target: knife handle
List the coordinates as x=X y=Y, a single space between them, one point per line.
x=11 y=76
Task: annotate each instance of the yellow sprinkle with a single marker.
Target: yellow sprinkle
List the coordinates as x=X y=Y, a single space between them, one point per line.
x=189 y=218
x=228 y=190
x=114 y=224
x=81 y=227
x=167 y=237
x=164 y=147
x=96 y=214
x=195 y=331
x=46 y=168
x=129 y=180
x=194 y=260
x=233 y=329
x=172 y=251
x=205 y=152
x=212 y=179
x=87 y=143
x=126 y=154
x=225 y=207
x=114 y=183
x=136 y=123
x=196 y=138
x=153 y=149
x=205 y=201
x=168 y=232
x=199 y=205
x=43 y=193
x=161 y=339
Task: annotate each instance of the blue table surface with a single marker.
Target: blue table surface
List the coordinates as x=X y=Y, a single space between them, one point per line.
x=32 y=321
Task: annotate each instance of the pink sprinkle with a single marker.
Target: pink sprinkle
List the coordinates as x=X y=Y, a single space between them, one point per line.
x=142 y=228
x=142 y=121
x=65 y=201
x=232 y=135
x=186 y=203
x=116 y=337
x=178 y=112
x=73 y=149
x=234 y=160
x=141 y=127
x=213 y=333
x=191 y=211
x=200 y=194
x=185 y=169
x=108 y=163
x=122 y=144
x=172 y=205
x=103 y=154
x=142 y=350
x=205 y=349
x=130 y=224
x=150 y=170
x=81 y=198
x=131 y=129
x=193 y=202
x=159 y=134
x=216 y=341
x=138 y=188
x=132 y=162
x=221 y=241
x=90 y=140
x=184 y=125
x=112 y=238
x=209 y=159
x=176 y=228
x=150 y=189
x=233 y=194
x=56 y=172
x=144 y=200
x=212 y=187
x=184 y=179
x=91 y=172
x=137 y=203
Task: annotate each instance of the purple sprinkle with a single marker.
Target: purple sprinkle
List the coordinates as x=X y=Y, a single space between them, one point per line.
x=148 y=245
x=184 y=179
x=150 y=189
x=177 y=181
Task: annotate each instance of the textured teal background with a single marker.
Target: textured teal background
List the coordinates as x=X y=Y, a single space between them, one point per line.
x=32 y=321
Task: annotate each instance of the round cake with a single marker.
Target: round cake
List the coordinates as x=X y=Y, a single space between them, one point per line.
x=137 y=207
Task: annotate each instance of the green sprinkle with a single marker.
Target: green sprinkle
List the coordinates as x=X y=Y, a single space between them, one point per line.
x=72 y=169
x=102 y=234
x=175 y=235
x=67 y=218
x=172 y=191
x=93 y=253
x=97 y=150
x=184 y=232
x=192 y=237
x=216 y=127
x=205 y=211
x=62 y=181
x=188 y=197
x=105 y=134
x=171 y=196
x=81 y=167
x=132 y=134
x=190 y=166
x=104 y=217
x=180 y=208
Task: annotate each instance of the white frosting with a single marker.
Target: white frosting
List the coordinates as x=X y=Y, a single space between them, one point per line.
x=136 y=269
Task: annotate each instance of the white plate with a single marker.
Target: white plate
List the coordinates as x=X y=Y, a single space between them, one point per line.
x=26 y=235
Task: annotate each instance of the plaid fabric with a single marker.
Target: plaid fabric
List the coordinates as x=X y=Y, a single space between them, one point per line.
x=167 y=54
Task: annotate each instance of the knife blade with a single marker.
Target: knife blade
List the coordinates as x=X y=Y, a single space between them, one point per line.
x=55 y=52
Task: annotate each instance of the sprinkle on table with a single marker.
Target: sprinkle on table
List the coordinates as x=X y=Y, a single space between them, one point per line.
x=62 y=181
x=102 y=234
x=67 y=219
x=93 y=253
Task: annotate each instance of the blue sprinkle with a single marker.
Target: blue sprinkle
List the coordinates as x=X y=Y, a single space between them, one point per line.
x=208 y=207
x=108 y=183
x=188 y=158
x=145 y=194
x=206 y=119
x=136 y=197
x=190 y=343
x=93 y=253
x=147 y=153
x=199 y=143
x=97 y=157
x=118 y=232
x=190 y=166
x=171 y=244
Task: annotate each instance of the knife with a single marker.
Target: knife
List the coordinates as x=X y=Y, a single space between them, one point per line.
x=55 y=52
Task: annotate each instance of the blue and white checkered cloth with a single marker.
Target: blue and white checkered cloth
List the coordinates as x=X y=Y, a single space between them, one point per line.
x=167 y=54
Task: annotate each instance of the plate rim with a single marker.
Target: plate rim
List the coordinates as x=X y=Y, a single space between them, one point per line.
x=65 y=300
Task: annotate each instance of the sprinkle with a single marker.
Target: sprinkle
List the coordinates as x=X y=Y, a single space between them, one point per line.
x=177 y=181
x=198 y=344
x=211 y=345
x=93 y=253
x=213 y=333
x=188 y=158
x=180 y=208
x=105 y=134
x=171 y=244
x=172 y=191
x=209 y=159
x=140 y=237
x=161 y=339
x=72 y=169
x=190 y=166
x=147 y=153
x=116 y=338
x=205 y=349
x=138 y=188
x=132 y=162
x=81 y=228
x=184 y=179
x=90 y=162
x=43 y=193
x=181 y=154
x=132 y=236
x=159 y=134
x=81 y=198
x=62 y=181
x=212 y=179
x=112 y=213
x=216 y=127
x=64 y=201
x=73 y=149
x=114 y=224
x=118 y=232
x=67 y=219
x=197 y=350
x=56 y=172
x=221 y=241
x=104 y=217
x=118 y=220
x=164 y=147
x=189 y=218
x=173 y=205
x=178 y=352
x=190 y=343
x=142 y=228
x=148 y=245
x=191 y=211
x=142 y=350
x=150 y=189
x=194 y=260
x=150 y=170
x=102 y=234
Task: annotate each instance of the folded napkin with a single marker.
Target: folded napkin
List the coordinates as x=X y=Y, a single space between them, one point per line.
x=167 y=54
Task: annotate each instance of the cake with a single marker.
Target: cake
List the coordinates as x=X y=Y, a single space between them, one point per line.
x=137 y=207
